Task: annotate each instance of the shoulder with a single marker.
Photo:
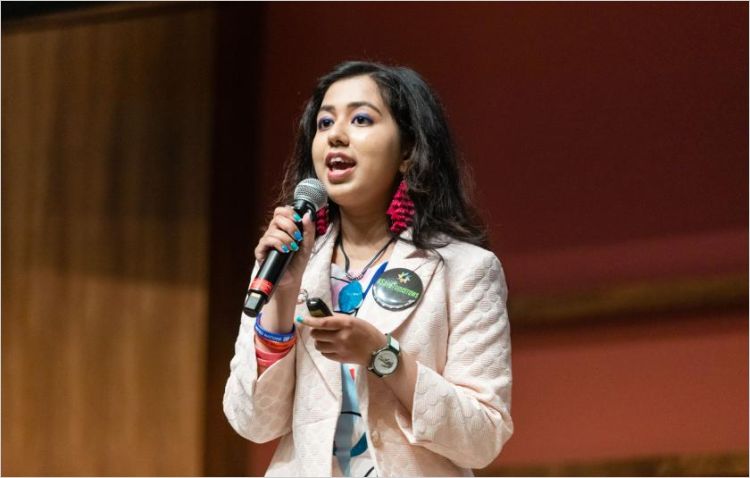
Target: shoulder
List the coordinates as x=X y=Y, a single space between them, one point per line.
x=458 y=255
x=471 y=266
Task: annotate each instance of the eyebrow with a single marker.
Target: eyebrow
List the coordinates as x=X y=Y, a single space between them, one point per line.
x=352 y=105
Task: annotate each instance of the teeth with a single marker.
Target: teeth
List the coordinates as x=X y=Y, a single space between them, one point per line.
x=338 y=162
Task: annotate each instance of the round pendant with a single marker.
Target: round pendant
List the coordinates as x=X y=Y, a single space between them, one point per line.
x=350 y=297
x=397 y=289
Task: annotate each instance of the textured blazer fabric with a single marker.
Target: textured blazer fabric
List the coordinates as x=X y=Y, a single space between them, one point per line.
x=459 y=333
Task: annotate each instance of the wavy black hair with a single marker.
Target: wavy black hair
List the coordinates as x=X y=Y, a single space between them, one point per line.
x=436 y=179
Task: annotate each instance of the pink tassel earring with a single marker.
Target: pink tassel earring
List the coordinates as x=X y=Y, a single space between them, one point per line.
x=401 y=210
x=321 y=220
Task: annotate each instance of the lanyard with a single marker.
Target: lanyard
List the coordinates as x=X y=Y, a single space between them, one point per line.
x=375 y=277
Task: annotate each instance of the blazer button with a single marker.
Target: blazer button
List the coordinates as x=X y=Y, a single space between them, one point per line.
x=375 y=436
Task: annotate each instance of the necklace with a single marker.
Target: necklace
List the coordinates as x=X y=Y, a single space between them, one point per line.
x=377 y=255
x=352 y=296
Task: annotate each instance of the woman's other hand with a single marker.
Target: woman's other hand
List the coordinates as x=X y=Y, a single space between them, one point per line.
x=344 y=338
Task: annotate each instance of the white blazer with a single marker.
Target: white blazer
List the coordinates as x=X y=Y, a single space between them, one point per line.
x=459 y=334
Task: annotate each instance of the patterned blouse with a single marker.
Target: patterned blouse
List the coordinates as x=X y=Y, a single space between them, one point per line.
x=351 y=456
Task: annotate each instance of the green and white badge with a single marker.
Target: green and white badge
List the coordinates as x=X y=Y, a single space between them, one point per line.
x=397 y=289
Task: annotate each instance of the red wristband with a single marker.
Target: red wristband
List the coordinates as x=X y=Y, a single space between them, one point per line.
x=277 y=346
x=270 y=355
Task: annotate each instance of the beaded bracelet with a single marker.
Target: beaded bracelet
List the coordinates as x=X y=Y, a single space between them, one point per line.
x=272 y=335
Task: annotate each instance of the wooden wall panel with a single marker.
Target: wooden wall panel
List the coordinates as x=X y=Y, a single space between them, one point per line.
x=106 y=146
x=238 y=208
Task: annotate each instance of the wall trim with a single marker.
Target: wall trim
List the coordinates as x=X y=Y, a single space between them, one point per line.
x=726 y=464
x=671 y=296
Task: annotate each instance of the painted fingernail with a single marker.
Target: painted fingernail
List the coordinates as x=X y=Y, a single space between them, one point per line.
x=284 y=249
x=297 y=235
x=294 y=246
x=297 y=218
x=298 y=319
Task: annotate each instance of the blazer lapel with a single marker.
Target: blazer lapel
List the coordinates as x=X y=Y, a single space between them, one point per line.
x=317 y=282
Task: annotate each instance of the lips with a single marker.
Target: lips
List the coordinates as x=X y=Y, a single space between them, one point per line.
x=339 y=161
x=340 y=167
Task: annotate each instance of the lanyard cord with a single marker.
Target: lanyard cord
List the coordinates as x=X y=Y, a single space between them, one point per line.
x=340 y=243
x=375 y=277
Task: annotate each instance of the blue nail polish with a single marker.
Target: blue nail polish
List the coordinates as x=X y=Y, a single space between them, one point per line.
x=294 y=246
x=297 y=235
x=297 y=218
x=284 y=249
x=298 y=319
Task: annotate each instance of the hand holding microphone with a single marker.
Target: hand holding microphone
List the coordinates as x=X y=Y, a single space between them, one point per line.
x=285 y=236
x=287 y=243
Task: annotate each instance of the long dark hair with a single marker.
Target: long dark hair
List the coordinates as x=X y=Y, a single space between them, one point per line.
x=437 y=181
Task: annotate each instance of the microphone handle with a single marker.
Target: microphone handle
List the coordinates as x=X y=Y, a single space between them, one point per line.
x=273 y=267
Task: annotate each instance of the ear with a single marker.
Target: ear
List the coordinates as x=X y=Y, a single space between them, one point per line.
x=405 y=161
x=404 y=166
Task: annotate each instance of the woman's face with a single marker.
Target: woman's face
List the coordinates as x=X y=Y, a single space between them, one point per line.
x=357 y=149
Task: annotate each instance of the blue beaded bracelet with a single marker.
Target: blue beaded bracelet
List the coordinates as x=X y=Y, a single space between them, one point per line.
x=283 y=338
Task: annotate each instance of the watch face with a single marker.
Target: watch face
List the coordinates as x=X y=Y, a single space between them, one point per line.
x=385 y=362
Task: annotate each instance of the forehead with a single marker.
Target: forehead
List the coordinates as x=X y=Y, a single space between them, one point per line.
x=349 y=90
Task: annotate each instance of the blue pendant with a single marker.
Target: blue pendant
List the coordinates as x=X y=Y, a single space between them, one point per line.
x=350 y=297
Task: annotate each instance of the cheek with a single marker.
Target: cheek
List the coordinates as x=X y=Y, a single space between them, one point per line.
x=383 y=152
x=318 y=149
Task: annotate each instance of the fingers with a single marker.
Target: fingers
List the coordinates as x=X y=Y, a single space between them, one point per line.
x=274 y=239
x=283 y=234
x=327 y=342
x=336 y=338
x=287 y=226
x=323 y=335
x=323 y=323
x=326 y=347
x=308 y=226
x=285 y=211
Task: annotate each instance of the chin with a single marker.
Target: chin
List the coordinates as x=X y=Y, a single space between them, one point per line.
x=343 y=194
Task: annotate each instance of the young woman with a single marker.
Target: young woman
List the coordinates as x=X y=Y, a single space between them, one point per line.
x=411 y=375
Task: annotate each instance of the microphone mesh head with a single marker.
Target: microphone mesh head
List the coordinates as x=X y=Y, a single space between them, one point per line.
x=312 y=191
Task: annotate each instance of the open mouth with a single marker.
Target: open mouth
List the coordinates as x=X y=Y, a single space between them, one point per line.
x=340 y=168
x=340 y=164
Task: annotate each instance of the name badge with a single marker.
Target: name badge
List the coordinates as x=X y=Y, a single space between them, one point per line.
x=397 y=289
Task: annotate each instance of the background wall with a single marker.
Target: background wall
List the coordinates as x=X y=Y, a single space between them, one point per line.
x=609 y=149
x=106 y=149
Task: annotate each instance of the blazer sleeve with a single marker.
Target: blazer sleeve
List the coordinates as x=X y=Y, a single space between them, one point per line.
x=259 y=409
x=464 y=413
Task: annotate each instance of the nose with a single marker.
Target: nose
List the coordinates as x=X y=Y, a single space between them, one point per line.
x=337 y=134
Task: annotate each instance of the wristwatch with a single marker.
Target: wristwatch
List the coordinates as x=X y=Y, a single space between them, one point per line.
x=385 y=360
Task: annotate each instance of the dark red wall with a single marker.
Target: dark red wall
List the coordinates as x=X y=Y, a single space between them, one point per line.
x=585 y=123
x=609 y=144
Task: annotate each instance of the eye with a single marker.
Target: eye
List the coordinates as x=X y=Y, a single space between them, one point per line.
x=362 y=120
x=324 y=123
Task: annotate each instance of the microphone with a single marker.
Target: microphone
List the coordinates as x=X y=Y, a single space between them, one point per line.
x=309 y=196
